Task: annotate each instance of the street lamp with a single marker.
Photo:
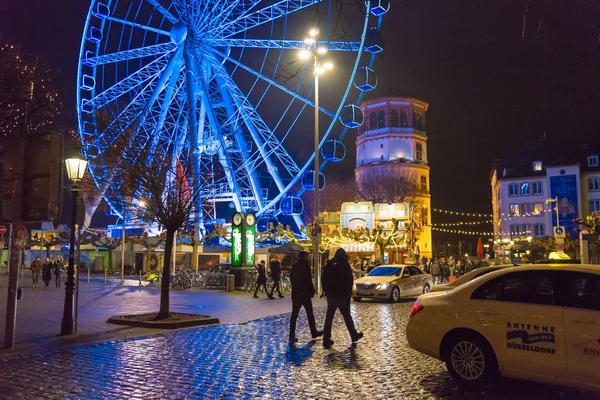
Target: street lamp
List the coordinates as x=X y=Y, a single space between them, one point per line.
x=75 y=171
x=555 y=201
x=315 y=52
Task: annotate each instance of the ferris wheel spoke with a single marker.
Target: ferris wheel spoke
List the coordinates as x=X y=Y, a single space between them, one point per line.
x=138 y=25
x=280 y=9
x=280 y=44
x=274 y=83
x=157 y=49
x=138 y=78
x=261 y=134
x=158 y=7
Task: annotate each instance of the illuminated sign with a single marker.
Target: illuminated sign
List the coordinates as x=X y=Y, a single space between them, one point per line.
x=250 y=231
x=236 y=245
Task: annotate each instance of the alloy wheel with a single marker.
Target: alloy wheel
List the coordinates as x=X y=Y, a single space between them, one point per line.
x=468 y=360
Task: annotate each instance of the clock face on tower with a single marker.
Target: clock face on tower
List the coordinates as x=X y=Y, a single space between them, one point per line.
x=237 y=219
x=250 y=219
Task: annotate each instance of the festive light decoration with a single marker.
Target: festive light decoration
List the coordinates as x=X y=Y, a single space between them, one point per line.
x=28 y=99
x=463 y=213
x=463 y=232
x=464 y=223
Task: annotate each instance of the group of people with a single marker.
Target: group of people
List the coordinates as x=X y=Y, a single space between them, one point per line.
x=443 y=269
x=47 y=269
x=337 y=281
x=261 y=280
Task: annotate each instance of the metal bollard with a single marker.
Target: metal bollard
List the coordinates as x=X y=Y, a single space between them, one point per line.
x=230 y=287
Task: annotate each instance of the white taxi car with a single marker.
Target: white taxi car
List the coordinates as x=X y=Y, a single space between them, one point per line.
x=538 y=322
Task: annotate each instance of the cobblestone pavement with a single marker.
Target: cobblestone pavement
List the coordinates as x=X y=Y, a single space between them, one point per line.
x=253 y=360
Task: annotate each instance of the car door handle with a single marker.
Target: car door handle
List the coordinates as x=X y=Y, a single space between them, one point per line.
x=583 y=321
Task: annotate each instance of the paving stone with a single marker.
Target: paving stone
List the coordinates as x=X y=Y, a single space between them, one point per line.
x=253 y=361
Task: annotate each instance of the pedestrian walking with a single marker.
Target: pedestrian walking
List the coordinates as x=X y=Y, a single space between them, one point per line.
x=436 y=271
x=275 y=267
x=36 y=268
x=445 y=269
x=261 y=281
x=58 y=270
x=302 y=292
x=337 y=285
x=47 y=269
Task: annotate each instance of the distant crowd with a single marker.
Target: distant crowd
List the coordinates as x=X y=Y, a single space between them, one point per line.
x=444 y=269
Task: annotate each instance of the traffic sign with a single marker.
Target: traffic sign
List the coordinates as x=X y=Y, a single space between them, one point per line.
x=559 y=232
x=2 y=229
x=20 y=237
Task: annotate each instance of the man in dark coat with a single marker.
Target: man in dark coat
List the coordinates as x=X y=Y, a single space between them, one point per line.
x=436 y=271
x=302 y=293
x=337 y=284
x=261 y=280
x=276 y=277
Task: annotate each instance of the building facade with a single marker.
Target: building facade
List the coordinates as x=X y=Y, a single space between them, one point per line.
x=528 y=186
x=392 y=142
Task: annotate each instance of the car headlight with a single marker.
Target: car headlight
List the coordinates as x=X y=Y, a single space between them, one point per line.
x=353 y=286
x=382 y=286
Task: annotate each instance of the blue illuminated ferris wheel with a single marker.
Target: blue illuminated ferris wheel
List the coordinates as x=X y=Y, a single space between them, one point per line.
x=218 y=85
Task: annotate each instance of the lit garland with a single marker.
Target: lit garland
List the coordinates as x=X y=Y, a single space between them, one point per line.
x=28 y=100
x=462 y=232
x=463 y=213
x=465 y=223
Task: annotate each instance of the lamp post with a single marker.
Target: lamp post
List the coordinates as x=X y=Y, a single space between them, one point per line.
x=555 y=201
x=75 y=170
x=315 y=53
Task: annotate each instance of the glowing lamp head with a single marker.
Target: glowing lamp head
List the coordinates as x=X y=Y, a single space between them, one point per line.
x=75 y=169
x=328 y=65
x=305 y=54
x=319 y=70
x=313 y=32
x=142 y=203
x=322 y=50
x=309 y=41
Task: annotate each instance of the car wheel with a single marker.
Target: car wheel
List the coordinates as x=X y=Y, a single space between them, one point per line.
x=470 y=359
x=395 y=295
x=426 y=288
x=357 y=299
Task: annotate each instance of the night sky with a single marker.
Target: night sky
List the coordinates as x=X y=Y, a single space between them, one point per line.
x=490 y=75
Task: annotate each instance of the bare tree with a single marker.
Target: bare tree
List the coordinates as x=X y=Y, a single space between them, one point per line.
x=150 y=243
x=28 y=94
x=47 y=243
x=169 y=202
x=389 y=186
x=108 y=243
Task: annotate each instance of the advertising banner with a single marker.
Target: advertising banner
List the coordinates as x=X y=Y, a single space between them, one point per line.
x=564 y=187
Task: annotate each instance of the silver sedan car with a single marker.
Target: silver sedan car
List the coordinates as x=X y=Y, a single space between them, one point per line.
x=392 y=282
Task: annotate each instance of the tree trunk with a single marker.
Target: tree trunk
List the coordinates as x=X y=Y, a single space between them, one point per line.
x=110 y=261
x=381 y=247
x=163 y=312
x=195 y=255
x=148 y=257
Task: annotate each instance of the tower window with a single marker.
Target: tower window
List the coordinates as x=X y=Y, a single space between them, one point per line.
x=381 y=119
x=382 y=156
x=592 y=161
x=423 y=183
x=404 y=118
x=373 y=121
x=537 y=165
x=419 y=152
x=394 y=118
x=381 y=146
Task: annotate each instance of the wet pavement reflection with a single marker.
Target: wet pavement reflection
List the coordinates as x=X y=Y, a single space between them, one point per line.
x=252 y=360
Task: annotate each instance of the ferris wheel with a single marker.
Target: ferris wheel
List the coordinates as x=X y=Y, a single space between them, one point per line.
x=219 y=85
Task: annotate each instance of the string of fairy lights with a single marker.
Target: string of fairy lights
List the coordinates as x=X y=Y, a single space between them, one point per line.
x=456 y=227
x=29 y=100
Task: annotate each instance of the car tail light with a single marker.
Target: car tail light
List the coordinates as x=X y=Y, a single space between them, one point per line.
x=416 y=308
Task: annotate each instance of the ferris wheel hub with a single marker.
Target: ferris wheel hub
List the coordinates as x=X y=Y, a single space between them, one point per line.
x=179 y=33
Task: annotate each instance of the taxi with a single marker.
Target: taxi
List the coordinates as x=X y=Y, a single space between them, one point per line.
x=539 y=322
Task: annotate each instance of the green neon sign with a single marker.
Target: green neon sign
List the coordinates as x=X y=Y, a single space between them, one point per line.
x=236 y=245
x=250 y=235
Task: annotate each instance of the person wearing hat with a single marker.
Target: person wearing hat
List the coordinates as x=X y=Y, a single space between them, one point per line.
x=302 y=292
x=261 y=281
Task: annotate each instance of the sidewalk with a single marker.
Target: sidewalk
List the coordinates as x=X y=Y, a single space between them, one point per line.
x=40 y=311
